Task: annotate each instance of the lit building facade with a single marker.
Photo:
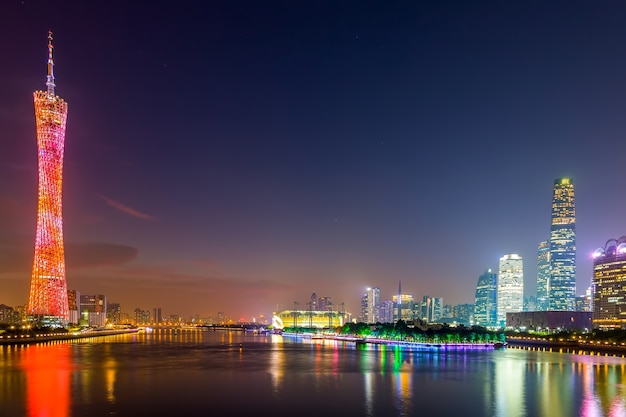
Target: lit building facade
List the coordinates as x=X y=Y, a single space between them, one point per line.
x=114 y=313
x=562 y=283
x=549 y=320
x=47 y=301
x=157 y=316
x=510 y=287
x=434 y=309
x=92 y=310
x=311 y=318
x=403 y=305
x=543 y=275
x=609 y=285
x=485 y=301
x=324 y=303
x=370 y=306
x=386 y=311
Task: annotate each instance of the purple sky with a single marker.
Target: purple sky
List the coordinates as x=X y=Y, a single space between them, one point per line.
x=239 y=156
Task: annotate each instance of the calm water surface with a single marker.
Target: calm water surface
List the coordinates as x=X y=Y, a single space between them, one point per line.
x=196 y=373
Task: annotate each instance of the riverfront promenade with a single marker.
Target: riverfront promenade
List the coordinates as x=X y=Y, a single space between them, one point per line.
x=47 y=337
x=400 y=343
x=583 y=346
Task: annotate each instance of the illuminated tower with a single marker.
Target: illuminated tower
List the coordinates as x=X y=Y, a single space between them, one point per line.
x=486 y=300
x=510 y=287
x=543 y=275
x=370 y=304
x=47 y=301
x=609 y=285
x=562 y=284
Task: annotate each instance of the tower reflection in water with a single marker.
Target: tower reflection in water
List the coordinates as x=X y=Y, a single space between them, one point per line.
x=48 y=372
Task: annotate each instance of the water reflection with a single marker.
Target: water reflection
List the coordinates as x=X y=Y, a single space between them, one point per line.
x=48 y=369
x=276 y=364
x=180 y=372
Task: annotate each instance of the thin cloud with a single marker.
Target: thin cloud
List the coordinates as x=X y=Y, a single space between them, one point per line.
x=96 y=254
x=125 y=209
x=16 y=255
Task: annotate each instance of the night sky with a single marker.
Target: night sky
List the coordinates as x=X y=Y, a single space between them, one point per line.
x=237 y=156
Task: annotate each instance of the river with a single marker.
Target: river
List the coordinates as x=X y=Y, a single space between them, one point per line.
x=217 y=373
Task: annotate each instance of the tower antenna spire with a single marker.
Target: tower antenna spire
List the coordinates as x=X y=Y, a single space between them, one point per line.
x=50 y=77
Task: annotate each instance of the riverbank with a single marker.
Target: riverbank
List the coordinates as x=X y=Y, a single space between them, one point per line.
x=27 y=338
x=399 y=343
x=569 y=346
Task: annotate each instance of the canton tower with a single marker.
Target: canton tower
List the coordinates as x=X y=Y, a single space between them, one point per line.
x=47 y=300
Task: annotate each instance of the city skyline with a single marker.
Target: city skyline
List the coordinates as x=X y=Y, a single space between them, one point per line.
x=239 y=157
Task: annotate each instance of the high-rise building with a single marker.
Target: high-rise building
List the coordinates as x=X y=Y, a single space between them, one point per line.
x=562 y=284
x=92 y=309
x=510 y=287
x=386 y=311
x=114 y=313
x=370 y=305
x=434 y=309
x=157 y=316
x=485 y=302
x=609 y=285
x=47 y=301
x=543 y=275
x=325 y=304
x=403 y=307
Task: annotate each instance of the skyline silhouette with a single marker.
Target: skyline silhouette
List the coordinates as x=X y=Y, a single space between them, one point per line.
x=238 y=157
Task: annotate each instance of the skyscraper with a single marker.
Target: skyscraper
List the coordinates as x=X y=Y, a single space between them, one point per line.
x=403 y=307
x=510 y=286
x=370 y=304
x=47 y=300
x=609 y=285
x=485 y=302
x=562 y=284
x=543 y=275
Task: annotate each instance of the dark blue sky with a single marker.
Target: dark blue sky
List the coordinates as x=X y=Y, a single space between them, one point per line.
x=239 y=156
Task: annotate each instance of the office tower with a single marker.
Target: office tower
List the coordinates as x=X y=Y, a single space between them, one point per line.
x=562 y=285
x=403 y=306
x=313 y=302
x=386 y=311
x=609 y=285
x=157 y=317
x=114 y=313
x=370 y=305
x=510 y=287
x=73 y=301
x=434 y=309
x=485 y=301
x=543 y=275
x=325 y=304
x=93 y=309
x=47 y=301
x=462 y=313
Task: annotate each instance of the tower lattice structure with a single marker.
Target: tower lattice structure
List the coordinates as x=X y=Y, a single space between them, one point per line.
x=47 y=300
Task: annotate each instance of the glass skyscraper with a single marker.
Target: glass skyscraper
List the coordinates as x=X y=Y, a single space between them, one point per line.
x=370 y=305
x=485 y=302
x=510 y=287
x=609 y=285
x=543 y=275
x=562 y=283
